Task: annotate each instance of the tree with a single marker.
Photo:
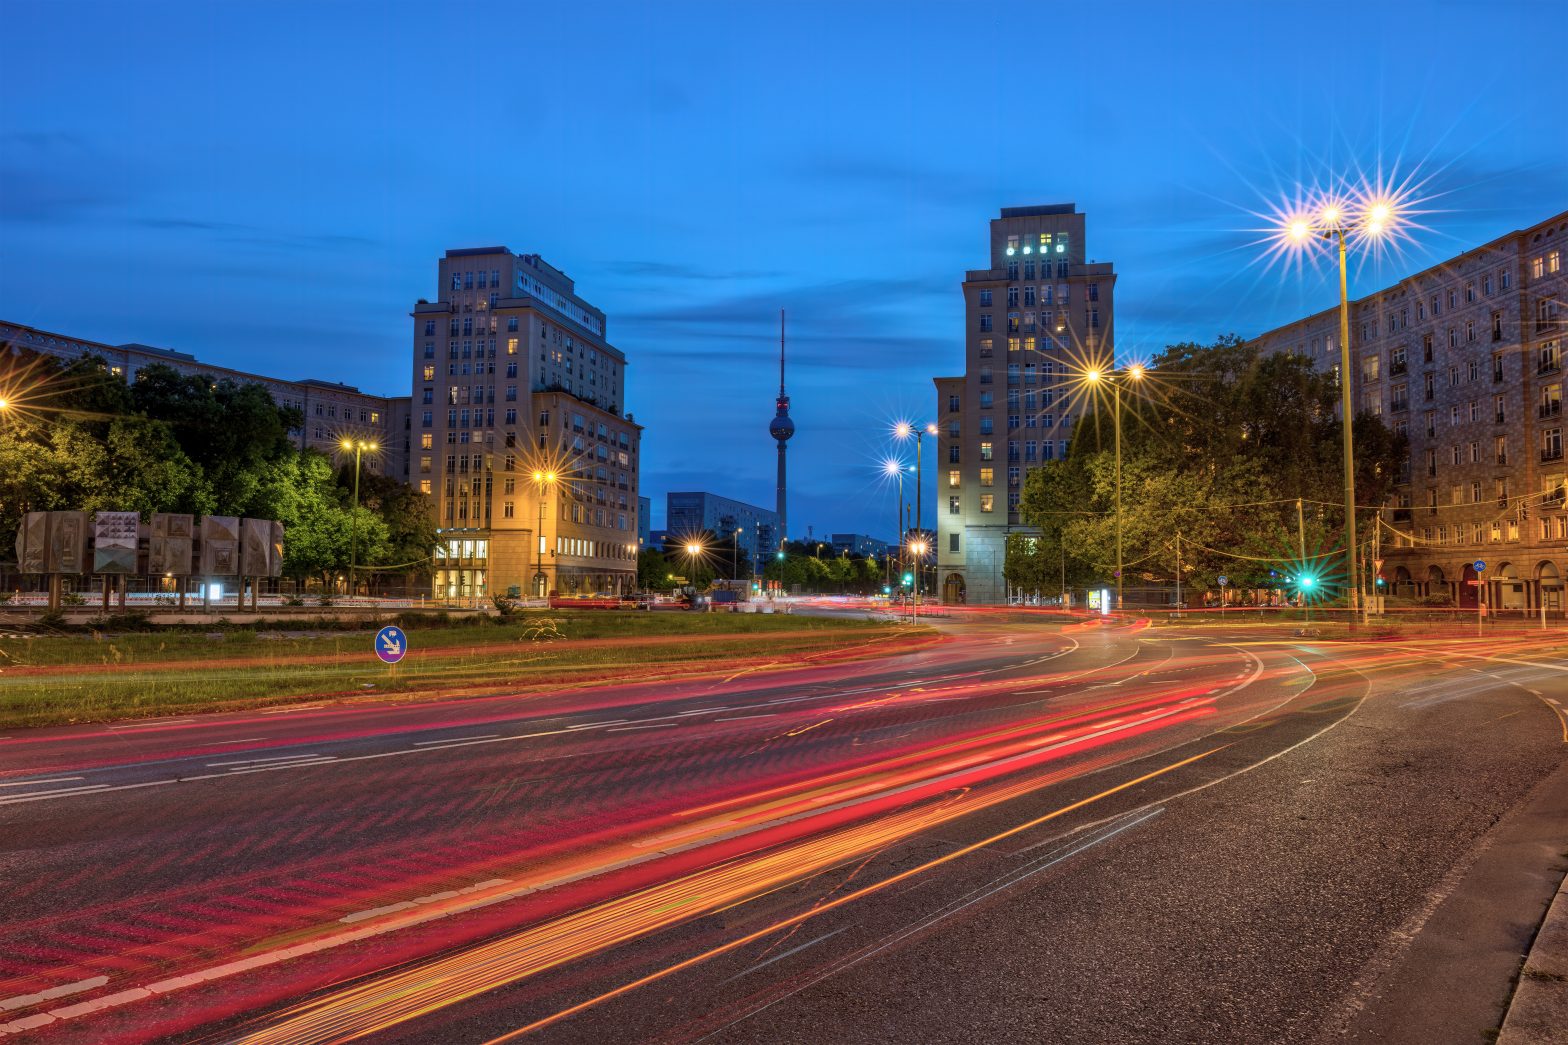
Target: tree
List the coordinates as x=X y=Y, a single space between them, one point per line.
x=1218 y=452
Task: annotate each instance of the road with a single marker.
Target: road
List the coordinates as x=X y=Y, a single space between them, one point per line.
x=1090 y=832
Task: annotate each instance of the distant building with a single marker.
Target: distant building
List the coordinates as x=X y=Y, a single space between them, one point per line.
x=332 y=411
x=691 y=513
x=858 y=544
x=1465 y=359
x=1036 y=313
x=644 y=520
x=514 y=378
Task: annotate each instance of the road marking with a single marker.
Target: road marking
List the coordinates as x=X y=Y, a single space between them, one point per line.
x=22 y=1001
x=744 y=718
x=359 y=916
x=150 y=725
x=455 y=740
x=72 y=791
x=290 y=711
x=247 y=740
x=655 y=725
x=271 y=758
x=45 y=780
x=606 y=722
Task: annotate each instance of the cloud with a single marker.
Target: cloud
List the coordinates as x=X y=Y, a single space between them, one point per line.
x=677 y=271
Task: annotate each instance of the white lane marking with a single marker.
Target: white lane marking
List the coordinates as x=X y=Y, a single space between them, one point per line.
x=359 y=916
x=606 y=722
x=454 y=740
x=42 y=780
x=270 y=758
x=702 y=711
x=72 y=791
x=22 y=1001
x=242 y=770
x=786 y=954
x=744 y=718
x=247 y=740
x=655 y=725
x=149 y=725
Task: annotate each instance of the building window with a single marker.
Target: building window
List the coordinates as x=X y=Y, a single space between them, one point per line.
x=952 y=404
x=1554 y=261
x=985 y=451
x=952 y=506
x=985 y=299
x=987 y=502
x=953 y=476
x=952 y=455
x=987 y=477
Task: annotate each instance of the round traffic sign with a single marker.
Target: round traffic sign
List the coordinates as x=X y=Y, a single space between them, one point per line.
x=1224 y=580
x=1480 y=566
x=391 y=644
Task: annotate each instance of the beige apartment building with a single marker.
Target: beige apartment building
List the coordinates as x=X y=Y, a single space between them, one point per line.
x=1039 y=312
x=514 y=378
x=1466 y=359
x=333 y=411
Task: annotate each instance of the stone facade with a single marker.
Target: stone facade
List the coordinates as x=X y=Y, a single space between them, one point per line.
x=513 y=377
x=1466 y=359
x=1039 y=312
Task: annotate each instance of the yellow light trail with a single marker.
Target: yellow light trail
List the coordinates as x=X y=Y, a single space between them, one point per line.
x=393 y=999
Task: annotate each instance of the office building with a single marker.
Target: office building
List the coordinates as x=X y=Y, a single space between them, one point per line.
x=521 y=442
x=858 y=544
x=1038 y=312
x=1466 y=360
x=644 y=521
x=332 y=411
x=691 y=513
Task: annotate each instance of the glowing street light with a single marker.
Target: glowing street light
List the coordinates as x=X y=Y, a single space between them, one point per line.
x=359 y=447
x=544 y=479
x=693 y=550
x=1134 y=373
x=904 y=430
x=1369 y=218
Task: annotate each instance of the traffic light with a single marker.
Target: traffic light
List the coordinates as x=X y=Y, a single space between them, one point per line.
x=781 y=555
x=909 y=578
x=1306 y=581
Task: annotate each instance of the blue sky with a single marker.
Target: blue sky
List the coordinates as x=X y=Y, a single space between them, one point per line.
x=268 y=186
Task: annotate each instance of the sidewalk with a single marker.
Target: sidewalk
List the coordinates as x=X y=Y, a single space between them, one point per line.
x=1538 y=1013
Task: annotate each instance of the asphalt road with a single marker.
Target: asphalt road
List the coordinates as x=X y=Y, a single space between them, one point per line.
x=1032 y=832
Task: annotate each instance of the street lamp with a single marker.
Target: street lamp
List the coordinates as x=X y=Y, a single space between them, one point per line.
x=543 y=480
x=917 y=549
x=1094 y=376
x=904 y=430
x=359 y=446
x=693 y=549
x=1369 y=218
x=895 y=469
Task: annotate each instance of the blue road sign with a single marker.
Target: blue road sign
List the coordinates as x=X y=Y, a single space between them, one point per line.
x=391 y=644
x=1224 y=580
x=1480 y=566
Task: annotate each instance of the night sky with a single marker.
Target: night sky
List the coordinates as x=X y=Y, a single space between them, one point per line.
x=268 y=186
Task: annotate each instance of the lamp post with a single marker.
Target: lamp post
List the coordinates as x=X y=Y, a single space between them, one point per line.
x=917 y=548
x=1115 y=379
x=543 y=480
x=904 y=430
x=359 y=446
x=693 y=549
x=896 y=470
x=1365 y=219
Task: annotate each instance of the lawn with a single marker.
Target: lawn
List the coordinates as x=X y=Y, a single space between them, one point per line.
x=93 y=678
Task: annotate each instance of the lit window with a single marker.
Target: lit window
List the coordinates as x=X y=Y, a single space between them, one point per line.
x=953 y=477
x=987 y=502
x=985 y=451
x=987 y=477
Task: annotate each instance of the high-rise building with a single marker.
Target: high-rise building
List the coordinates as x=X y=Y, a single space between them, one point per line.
x=332 y=411
x=1465 y=359
x=688 y=514
x=1038 y=313
x=520 y=440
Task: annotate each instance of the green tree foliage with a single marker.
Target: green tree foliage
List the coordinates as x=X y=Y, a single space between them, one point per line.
x=1211 y=432
x=74 y=436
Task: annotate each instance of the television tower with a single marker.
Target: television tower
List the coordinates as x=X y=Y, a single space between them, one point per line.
x=781 y=429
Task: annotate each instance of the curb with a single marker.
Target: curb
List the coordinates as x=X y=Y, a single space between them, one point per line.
x=1538 y=1011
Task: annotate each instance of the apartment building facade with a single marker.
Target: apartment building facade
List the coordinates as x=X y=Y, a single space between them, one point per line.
x=1466 y=360
x=518 y=433
x=690 y=512
x=332 y=411
x=1038 y=312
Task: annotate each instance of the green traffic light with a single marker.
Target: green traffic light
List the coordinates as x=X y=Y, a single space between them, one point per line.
x=1307 y=582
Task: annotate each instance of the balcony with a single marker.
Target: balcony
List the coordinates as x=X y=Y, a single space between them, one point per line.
x=1550 y=409
x=1399 y=405
x=1550 y=365
x=1395 y=369
x=1552 y=453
